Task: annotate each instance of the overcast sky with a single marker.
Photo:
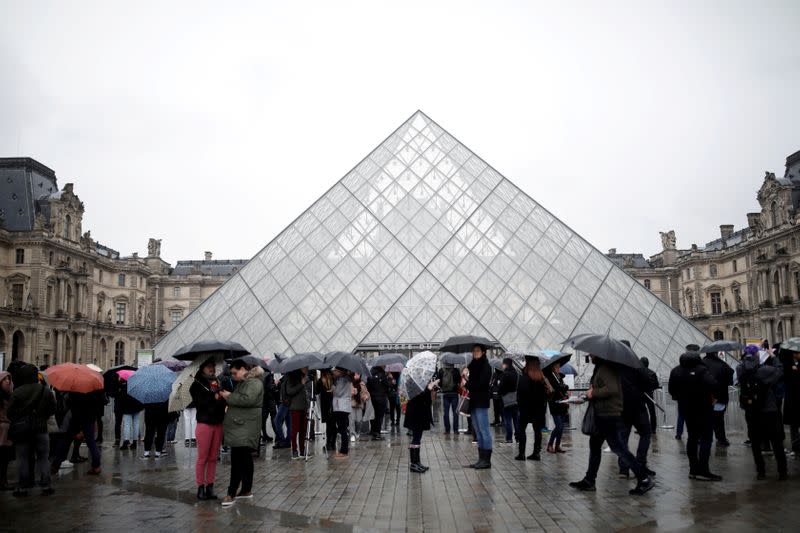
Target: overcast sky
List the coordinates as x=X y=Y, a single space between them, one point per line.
x=213 y=125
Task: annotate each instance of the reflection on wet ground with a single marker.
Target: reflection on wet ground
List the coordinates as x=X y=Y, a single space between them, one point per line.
x=372 y=490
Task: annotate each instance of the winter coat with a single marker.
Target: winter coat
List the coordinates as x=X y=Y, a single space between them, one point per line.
x=378 y=386
x=27 y=398
x=508 y=381
x=634 y=383
x=560 y=392
x=242 y=425
x=723 y=374
x=418 y=412
x=270 y=402
x=692 y=386
x=770 y=376
x=791 y=403
x=128 y=404
x=607 y=390
x=532 y=401
x=5 y=399
x=342 y=395
x=84 y=407
x=456 y=375
x=325 y=401
x=210 y=408
x=297 y=394
x=479 y=383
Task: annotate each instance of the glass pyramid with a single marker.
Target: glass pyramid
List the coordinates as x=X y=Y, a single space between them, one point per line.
x=420 y=241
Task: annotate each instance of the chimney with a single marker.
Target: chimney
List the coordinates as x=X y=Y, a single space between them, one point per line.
x=208 y=256
x=612 y=251
x=726 y=230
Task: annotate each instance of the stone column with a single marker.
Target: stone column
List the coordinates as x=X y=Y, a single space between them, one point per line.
x=79 y=347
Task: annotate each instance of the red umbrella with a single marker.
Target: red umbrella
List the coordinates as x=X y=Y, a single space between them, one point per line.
x=69 y=377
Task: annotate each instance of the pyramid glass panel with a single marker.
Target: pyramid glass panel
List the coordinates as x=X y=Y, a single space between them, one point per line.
x=420 y=241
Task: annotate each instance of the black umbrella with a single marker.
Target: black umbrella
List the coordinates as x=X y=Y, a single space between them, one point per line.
x=390 y=359
x=721 y=346
x=192 y=351
x=296 y=362
x=605 y=347
x=560 y=358
x=110 y=378
x=348 y=361
x=273 y=365
x=252 y=361
x=450 y=358
x=464 y=343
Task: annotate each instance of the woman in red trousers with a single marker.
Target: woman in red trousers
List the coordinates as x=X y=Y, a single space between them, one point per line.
x=210 y=414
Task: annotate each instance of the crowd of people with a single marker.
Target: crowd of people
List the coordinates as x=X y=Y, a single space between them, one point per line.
x=234 y=412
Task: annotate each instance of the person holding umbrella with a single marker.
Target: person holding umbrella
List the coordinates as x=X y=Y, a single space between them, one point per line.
x=417 y=385
x=532 y=394
x=242 y=427
x=342 y=407
x=151 y=385
x=297 y=393
x=205 y=392
x=558 y=410
x=130 y=408
x=478 y=385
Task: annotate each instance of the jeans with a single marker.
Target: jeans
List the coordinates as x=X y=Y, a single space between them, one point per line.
x=37 y=447
x=130 y=427
x=450 y=404
x=76 y=427
x=480 y=423
x=298 y=431
x=719 y=426
x=640 y=421
x=282 y=419
x=172 y=429
x=189 y=422
x=698 y=443
x=610 y=430
x=766 y=428
x=241 y=471
x=343 y=428
x=511 y=421
x=209 y=438
x=558 y=431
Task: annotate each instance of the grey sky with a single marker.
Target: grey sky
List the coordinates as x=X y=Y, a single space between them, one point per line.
x=213 y=126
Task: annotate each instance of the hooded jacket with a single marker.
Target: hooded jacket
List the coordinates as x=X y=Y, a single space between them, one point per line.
x=692 y=386
x=297 y=393
x=242 y=425
x=607 y=390
x=378 y=386
x=29 y=396
x=723 y=374
x=770 y=377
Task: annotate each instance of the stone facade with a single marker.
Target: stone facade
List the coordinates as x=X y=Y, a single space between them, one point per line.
x=64 y=296
x=744 y=284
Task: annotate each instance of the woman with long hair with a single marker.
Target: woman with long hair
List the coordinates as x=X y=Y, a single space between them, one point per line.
x=296 y=391
x=478 y=384
x=324 y=388
x=557 y=410
x=532 y=393
x=342 y=406
x=210 y=408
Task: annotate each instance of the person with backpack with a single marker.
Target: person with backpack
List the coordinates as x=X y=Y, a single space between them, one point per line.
x=497 y=400
x=693 y=387
x=758 y=396
x=723 y=374
x=449 y=382
x=378 y=387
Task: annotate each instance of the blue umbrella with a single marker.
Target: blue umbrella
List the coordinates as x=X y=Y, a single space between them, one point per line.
x=151 y=384
x=568 y=369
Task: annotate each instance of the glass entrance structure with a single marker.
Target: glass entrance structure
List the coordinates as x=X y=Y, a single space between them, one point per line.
x=420 y=241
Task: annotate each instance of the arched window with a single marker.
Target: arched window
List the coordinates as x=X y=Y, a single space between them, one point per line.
x=776 y=216
x=718 y=336
x=67 y=227
x=17 y=345
x=779 y=332
x=736 y=335
x=119 y=353
x=103 y=351
x=50 y=259
x=647 y=284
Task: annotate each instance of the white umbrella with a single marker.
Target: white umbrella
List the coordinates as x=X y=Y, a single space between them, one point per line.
x=180 y=397
x=417 y=374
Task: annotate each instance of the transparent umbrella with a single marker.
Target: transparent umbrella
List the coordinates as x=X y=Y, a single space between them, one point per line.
x=417 y=374
x=179 y=397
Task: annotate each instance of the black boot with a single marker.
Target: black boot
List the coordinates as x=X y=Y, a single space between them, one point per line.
x=201 y=492
x=485 y=461
x=521 y=454
x=419 y=462
x=413 y=461
x=536 y=455
x=480 y=458
x=210 y=492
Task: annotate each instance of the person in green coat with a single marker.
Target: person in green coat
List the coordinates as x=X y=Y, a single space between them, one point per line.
x=242 y=427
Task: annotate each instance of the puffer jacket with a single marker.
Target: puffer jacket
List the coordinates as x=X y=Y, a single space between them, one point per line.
x=242 y=425
x=27 y=398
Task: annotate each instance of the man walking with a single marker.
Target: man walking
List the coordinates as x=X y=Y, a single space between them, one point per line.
x=634 y=415
x=723 y=375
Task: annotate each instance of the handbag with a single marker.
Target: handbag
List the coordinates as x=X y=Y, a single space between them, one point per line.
x=589 y=425
x=510 y=398
x=463 y=405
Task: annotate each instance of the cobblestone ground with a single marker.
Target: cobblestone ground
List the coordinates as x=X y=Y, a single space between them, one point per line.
x=373 y=490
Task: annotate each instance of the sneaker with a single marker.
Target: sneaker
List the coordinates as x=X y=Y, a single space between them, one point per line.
x=125 y=445
x=583 y=485
x=244 y=496
x=194 y=443
x=145 y=455
x=187 y=443
x=352 y=438
x=227 y=501
x=160 y=454
x=642 y=487
x=295 y=455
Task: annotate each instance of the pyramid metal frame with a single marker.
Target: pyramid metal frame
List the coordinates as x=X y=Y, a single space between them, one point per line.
x=421 y=240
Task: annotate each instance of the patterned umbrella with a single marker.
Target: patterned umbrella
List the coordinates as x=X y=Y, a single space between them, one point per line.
x=180 y=397
x=151 y=384
x=417 y=374
x=173 y=364
x=69 y=377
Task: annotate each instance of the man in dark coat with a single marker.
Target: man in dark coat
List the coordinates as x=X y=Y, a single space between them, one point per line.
x=653 y=384
x=791 y=403
x=83 y=409
x=693 y=387
x=378 y=387
x=269 y=408
x=723 y=374
x=478 y=385
x=634 y=415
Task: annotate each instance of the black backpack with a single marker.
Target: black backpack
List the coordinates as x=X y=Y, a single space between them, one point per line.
x=751 y=390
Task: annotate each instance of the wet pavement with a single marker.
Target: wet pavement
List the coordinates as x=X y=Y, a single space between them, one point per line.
x=373 y=490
